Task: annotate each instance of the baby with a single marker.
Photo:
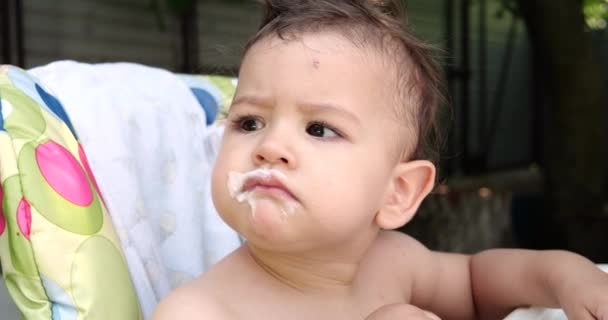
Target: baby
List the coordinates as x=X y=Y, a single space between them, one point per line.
x=325 y=150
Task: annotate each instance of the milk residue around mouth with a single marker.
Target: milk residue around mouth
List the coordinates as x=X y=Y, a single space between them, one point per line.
x=236 y=180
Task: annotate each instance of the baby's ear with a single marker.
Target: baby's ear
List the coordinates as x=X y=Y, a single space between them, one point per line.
x=410 y=184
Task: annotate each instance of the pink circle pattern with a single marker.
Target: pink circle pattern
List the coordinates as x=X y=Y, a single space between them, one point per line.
x=63 y=173
x=2 y=219
x=85 y=163
x=24 y=218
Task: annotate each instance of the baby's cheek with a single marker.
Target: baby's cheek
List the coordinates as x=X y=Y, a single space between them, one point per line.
x=218 y=185
x=221 y=197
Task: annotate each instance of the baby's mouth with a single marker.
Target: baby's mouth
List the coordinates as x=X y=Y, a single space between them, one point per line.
x=269 y=185
x=251 y=185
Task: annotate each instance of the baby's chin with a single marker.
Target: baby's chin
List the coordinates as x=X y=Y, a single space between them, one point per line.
x=268 y=216
x=268 y=221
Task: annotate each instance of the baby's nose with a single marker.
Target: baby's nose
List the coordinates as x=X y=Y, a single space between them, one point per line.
x=273 y=151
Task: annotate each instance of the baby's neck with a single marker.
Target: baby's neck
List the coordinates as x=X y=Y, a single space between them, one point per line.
x=307 y=272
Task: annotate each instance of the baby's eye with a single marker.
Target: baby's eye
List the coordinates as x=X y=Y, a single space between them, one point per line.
x=321 y=130
x=247 y=123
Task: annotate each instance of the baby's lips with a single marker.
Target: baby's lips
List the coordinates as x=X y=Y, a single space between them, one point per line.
x=239 y=183
x=266 y=182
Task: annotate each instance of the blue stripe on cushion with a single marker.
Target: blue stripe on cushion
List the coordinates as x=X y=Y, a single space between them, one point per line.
x=56 y=107
x=28 y=84
x=1 y=117
x=208 y=103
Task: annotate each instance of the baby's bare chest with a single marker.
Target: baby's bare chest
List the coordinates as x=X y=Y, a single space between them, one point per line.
x=250 y=293
x=259 y=301
x=306 y=309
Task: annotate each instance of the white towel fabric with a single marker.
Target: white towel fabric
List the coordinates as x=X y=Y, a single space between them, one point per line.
x=537 y=314
x=145 y=137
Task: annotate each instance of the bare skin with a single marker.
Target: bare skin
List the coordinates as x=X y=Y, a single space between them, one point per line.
x=245 y=289
x=396 y=278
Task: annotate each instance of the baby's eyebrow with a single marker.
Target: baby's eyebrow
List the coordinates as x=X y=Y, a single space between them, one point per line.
x=315 y=107
x=304 y=107
x=252 y=100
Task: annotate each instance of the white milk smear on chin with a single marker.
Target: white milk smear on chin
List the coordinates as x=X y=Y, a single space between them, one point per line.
x=236 y=180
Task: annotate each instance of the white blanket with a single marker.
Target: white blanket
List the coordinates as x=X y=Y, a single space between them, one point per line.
x=147 y=143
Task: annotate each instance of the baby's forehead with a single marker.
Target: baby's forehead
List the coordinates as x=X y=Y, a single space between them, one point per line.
x=385 y=69
x=382 y=65
x=319 y=51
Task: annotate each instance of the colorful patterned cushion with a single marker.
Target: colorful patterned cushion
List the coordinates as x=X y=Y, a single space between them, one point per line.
x=60 y=255
x=214 y=93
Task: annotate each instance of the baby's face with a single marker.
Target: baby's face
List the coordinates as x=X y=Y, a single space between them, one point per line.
x=316 y=115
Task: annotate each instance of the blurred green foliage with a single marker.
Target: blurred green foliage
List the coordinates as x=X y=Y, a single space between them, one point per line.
x=595 y=11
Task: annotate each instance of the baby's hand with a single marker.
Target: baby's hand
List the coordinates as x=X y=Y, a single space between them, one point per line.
x=401 y=311
x=586 y=300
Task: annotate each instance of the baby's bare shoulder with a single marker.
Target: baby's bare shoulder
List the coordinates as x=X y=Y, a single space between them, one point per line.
x=191 y=302
x=398 y=245
x=434 y=280
x=406 y=253
x=398 y=258
x=206 y=296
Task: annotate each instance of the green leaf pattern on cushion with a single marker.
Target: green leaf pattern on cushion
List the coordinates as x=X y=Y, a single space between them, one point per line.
x=110 y=284
x=56 y=226
x=28 y=294
x=18 y=108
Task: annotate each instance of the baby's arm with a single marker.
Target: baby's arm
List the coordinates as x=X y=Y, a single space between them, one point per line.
x=492 y=283
x=433 y=281
x=502 y=279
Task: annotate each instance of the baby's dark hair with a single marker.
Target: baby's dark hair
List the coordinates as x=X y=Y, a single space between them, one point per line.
x=381 y=24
